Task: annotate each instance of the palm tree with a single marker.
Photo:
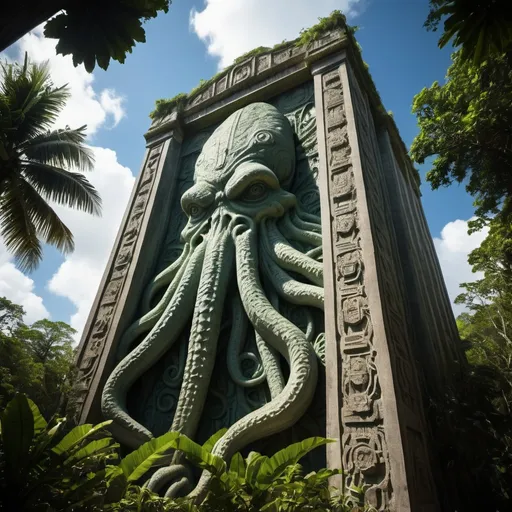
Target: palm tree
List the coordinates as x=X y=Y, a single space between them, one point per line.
x=35 y=162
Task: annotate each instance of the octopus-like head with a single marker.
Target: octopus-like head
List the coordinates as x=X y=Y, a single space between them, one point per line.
x=243 y=169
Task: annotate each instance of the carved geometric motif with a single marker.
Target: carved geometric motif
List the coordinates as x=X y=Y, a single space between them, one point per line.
x=365 y=456
x=100 y=326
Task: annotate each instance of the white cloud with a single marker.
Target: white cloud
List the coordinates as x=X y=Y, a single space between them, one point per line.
x=78 y=278
x=85 y=106
x=19 y=288
x=231 y=27
x=452 y=250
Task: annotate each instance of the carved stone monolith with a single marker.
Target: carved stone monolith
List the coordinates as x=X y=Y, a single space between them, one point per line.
x=274 y=275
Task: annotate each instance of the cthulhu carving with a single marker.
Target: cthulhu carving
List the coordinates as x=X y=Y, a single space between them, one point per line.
x=249 y=247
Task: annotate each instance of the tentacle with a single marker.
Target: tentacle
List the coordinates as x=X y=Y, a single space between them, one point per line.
x=150 y=350
x=293 y=291
x=235 y=355
x=304 y=224
x=149 y=320
x=310 y=328
x=270 y=361
x=164 y=278
x=270 y=357
x=308 y=217
x=289 y=258
x=292 y=232
x=180 y=476
x=205 y=327
x=283 y=411
x=316 y=253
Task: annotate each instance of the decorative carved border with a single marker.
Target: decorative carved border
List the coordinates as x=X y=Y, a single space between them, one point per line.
x=364 y=449
x=256 y=69
x=93 y=345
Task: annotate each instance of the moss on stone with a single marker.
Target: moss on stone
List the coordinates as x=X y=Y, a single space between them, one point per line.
x=335 y=20
x=252 y=53
x=164 y=107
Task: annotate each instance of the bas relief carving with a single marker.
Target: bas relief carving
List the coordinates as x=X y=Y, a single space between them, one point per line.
x=364 y=445
x=230 y=332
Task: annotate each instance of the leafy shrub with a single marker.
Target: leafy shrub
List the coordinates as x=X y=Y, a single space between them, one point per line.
x=47 y=467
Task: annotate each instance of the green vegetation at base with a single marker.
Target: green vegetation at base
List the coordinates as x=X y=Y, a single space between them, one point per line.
x=51 y=466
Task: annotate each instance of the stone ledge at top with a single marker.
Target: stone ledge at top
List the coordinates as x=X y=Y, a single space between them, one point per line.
x=249 y=71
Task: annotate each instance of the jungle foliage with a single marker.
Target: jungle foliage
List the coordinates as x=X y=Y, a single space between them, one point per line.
x=35 y=359
x=48 y=466
x=482 y=28
x=466 y=124
x=91 y=32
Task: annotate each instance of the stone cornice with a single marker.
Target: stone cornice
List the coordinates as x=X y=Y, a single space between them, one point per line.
x=279 y=69
x=249 y=72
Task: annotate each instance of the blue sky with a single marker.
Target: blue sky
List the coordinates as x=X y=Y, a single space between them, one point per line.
x=190 y=43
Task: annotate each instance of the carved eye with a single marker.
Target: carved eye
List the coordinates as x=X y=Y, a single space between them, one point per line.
x=263 y=138
x=255 y=192
x=195 y=210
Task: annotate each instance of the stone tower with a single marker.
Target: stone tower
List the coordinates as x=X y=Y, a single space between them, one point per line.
x=274 y=274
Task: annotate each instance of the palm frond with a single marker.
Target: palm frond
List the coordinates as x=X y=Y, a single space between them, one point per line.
x=33 y=100
x=61 y=148
x=17 y=229
x=26 y=217
x=64 y=187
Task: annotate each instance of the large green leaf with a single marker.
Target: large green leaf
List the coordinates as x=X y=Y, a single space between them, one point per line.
x=135 y=464
x=210 y=442
x=39 y=422
x=273 y=467
x=200 y=456
x=17 y=435
x=254 y=463
x=237 y=465
x=77 y=435
x=92 y=449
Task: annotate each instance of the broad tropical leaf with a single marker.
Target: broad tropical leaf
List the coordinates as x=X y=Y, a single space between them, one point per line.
x=17 y=435
x=199 y=455
x=137 y=463
x=116 y=484
x=254 y=463
x=39 y=422
x=77 y=435
x=273 y=467
x=210 y=442
x=237 y=465
x=92 y=449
